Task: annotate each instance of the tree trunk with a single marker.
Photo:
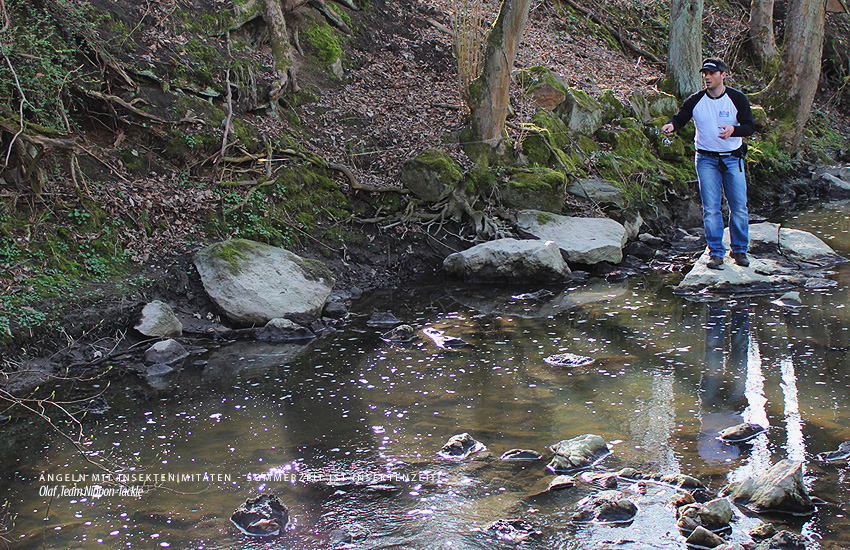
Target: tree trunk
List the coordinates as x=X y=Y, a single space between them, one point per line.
x=790 y=94
x=685 y=51
x=762 y=40
x=489 y=94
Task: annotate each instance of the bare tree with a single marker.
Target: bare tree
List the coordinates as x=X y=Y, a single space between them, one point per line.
x=489 y=94
x=790 y=94
x=685 y=50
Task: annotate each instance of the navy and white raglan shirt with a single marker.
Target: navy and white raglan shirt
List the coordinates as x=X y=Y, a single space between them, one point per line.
x=732 y=107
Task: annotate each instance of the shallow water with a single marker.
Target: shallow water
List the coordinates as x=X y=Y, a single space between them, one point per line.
x=345 y=430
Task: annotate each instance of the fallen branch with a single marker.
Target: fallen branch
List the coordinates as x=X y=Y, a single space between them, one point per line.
x=118 y=101
x=622 y=39
x=228 y=119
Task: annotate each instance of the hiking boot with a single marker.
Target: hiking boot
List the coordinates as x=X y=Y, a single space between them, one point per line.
x=715 y=262
x=741 y=258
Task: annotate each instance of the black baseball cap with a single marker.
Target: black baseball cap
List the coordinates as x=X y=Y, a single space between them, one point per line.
x=713 y=64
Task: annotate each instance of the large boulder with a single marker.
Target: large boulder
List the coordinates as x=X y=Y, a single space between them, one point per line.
x=431 y=174
x=253 y=283
x=581 y=240
x=780 y=488
x=509 y=261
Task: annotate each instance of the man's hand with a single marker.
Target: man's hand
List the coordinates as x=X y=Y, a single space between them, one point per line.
x=725 y=131
x=667 y=129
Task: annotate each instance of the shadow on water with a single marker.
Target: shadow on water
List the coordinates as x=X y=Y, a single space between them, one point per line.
x=345 y=429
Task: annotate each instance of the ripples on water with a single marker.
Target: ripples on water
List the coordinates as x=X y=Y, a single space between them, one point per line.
x=346 y=429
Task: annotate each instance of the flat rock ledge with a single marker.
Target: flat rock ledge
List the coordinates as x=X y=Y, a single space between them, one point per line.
x=780 y=259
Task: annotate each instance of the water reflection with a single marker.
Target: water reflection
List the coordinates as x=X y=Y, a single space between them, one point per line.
x=722 y=386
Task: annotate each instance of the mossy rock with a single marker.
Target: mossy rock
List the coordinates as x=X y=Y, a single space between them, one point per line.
x=640 y=107
x=662 y=105
x=612 y=108
x=537 y=189
x=544 y=86
x=628 y=142
x=430 y=174
x=581 y=112
x=546 y=135
x=556 y=130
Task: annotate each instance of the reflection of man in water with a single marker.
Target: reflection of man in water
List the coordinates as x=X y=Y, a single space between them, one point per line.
x=723 y=380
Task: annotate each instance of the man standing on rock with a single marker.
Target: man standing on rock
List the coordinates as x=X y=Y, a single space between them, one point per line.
x=723 y=118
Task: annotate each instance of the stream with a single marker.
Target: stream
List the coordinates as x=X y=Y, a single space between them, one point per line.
x=345 y=429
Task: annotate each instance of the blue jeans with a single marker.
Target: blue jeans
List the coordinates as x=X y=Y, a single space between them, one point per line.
x=713 y=184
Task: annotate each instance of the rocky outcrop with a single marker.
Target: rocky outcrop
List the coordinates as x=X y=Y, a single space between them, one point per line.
x=158 y=321
x=509 y=261
x=253 y=283
x=778 y=489
x=581 y=240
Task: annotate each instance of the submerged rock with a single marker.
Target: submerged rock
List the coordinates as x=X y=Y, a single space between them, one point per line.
x=513 y=530
x=578 y=453
x=784 y=540
x=568 y=360
x=401 y=334
x=521 y=454
x=704 y=538
x=442 y=340
x=713 y=515
x=741 y=433
x=263 y=516
x=166 y=352
x=778 y=489
x=561 y=482
x=762 y=531
x=383 y=319
x=605 y=507
x=283 y=330
x=461 y=446
x=842 y=455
